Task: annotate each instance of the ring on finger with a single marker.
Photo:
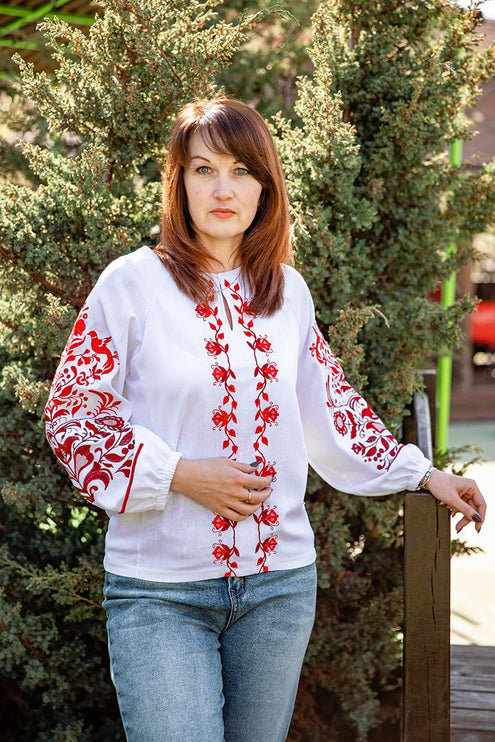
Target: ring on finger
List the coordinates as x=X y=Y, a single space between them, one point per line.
x=249 y=497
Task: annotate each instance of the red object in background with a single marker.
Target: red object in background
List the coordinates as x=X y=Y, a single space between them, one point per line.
x=482 y=324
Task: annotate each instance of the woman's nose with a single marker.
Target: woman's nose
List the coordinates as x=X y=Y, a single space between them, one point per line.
x=223 y=188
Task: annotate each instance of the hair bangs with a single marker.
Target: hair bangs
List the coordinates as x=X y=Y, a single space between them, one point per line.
x=227 y=131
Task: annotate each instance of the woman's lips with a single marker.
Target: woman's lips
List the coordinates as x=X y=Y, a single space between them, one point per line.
x=222 y=213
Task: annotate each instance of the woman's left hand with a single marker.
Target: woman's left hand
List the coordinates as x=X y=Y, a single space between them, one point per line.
x=460 y=495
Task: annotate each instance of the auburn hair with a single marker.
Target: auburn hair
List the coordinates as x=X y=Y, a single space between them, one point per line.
x=227 y=126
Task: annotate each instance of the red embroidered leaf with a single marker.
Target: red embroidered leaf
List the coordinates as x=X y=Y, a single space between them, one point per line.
x=236 y=287
x=265 y=568
x=110 y=442
x=231 y=387
x=115 y=458
x=213 y=327
x=259 y=429
x=260 y=561
x=264 y=440
x=265 y=396
x=259 y=385
x=234 y=565
x=127 y=438
x=225 y=444
x=225 y=399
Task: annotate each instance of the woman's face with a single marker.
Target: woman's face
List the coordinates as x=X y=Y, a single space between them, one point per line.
x=222 y=197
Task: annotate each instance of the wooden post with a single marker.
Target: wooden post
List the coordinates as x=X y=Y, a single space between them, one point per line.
x=426 y=668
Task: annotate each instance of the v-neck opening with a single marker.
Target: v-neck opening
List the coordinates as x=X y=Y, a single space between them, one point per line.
x=227 y=311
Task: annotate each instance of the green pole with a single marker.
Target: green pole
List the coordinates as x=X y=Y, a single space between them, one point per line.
x=445 y=361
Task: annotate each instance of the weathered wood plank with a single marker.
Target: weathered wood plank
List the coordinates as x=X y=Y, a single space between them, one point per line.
x=473 y=699
x=473 y=693
x=473 y=720
x=472 y=683
x=464 y=736
x=426 y=675
x=465 y=657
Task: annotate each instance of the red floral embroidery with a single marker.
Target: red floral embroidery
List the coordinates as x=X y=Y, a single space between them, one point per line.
x=83 y=428
x=224 y=419
x=266 y=415
x=352 y=416
x=223 y=553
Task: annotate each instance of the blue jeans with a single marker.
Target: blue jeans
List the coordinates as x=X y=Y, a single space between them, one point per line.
x=209 y=661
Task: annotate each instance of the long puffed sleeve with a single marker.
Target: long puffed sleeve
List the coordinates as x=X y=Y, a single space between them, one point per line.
x=348 y=445
x=117 y=465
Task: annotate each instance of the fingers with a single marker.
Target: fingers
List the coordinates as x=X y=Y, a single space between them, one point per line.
x=473 y=504
x=247 y=481
x=460 y=495
x=247 y=468
x=242 y=509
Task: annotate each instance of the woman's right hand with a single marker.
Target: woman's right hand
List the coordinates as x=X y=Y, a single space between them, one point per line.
x=222 y=485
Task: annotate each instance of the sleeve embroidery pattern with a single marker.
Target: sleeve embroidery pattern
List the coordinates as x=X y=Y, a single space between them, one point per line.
x=266 y=416
x=223 y=418
x=352 y=417
x=89 y=438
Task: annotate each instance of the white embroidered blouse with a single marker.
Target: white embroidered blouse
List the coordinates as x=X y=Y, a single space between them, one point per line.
x=148 y=376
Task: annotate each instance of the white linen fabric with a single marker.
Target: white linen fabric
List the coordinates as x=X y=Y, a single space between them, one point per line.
x=148 y=376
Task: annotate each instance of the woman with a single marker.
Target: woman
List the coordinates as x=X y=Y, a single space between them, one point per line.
x=191 y=394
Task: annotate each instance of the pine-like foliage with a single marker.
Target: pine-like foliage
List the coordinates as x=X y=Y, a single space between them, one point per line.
x=375 y=205
x=94 y=195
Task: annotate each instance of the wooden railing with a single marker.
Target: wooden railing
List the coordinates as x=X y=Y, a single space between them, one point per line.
x=426 y=660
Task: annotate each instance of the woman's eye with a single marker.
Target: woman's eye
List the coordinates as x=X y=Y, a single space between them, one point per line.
x=203 y=169
x=242 y=171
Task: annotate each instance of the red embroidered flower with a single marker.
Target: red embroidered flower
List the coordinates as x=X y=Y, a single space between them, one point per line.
x=212 y=348
x=269 y=517
x=270 y=413
x=269 y=370
x=220 y=374
x=221 y=552
x=220 y=418
x=267 y=471
x=111 y=422
x=340 y=423
x=203 y=310
x=220 y=523
x=262 y=344
x=269 y=544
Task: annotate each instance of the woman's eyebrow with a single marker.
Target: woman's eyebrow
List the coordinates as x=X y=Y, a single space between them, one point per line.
x=200 y=157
